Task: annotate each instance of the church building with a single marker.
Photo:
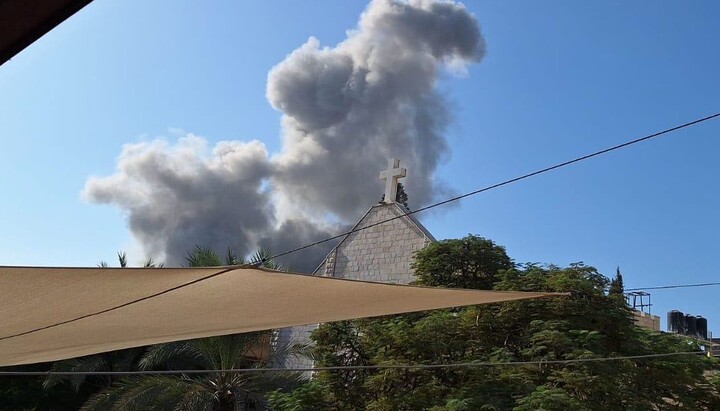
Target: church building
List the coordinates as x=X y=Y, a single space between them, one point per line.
x=380 y=253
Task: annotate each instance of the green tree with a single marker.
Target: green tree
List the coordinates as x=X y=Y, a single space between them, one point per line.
x=616 y=285
x=206 y=257
x=205 y=391
x=401 y=197
x=307 y=397
x=119 y=360
x=123 y=262
x=585 y=324
x=202 y=256
x=469 y=262
x=544 y=398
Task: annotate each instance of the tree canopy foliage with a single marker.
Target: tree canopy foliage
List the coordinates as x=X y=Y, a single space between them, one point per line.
x=587 y=323
x=616 y=285
x=470 y=262
x=401 y=197
x=591 y=322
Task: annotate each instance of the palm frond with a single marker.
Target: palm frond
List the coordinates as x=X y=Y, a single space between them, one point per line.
x=173 y=355
x=148 y=392
x=231 y=258
x=122 y=259
x=150 y=263
x=205 y=391
x=121 y=360
x=292 y=349
x=188 y=394
x=229 y=351
x=263 y=255
x=202 y=257
x=82 y=364
x=257 y=385
x=197 y=398
x=125 y=360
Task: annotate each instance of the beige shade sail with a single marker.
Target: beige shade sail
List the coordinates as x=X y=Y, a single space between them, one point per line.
x=49 y=314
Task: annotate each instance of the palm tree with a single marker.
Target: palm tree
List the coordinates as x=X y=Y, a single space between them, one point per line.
x=263 y=256
x=206 y=257
x=122 y=259
x=220 y=391
x=120 y=360
x=217 y=391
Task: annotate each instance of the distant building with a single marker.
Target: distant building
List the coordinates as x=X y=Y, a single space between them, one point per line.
x=715 y=347
x=641 y=303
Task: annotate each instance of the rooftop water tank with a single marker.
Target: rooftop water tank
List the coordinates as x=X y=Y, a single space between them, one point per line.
x=676 y=322
x=690 y=325
x=701 y=327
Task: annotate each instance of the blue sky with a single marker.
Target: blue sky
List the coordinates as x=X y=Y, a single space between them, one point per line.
x=560 y=79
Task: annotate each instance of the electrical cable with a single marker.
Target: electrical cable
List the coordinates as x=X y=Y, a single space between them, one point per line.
x=666 y=287
x=450 y=200
x=500 y=184
x=350 y=367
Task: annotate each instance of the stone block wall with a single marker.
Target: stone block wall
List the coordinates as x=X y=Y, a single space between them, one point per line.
x=382 y=253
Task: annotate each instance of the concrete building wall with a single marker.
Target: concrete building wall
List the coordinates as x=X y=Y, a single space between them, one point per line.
x=645 y=320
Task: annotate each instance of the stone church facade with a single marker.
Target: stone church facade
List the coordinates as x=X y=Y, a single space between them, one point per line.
x=382 y=253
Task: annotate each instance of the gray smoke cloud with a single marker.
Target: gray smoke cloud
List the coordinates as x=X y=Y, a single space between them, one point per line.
x=346 y=110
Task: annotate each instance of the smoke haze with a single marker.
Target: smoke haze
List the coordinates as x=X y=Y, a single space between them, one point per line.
x=346 y=110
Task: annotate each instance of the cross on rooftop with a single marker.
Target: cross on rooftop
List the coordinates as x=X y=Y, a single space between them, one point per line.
x=391 y=177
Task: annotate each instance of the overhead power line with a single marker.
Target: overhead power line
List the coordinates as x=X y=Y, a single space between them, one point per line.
x=666 y=287
x=225 y=270
x=353 y=367
x=502 y=183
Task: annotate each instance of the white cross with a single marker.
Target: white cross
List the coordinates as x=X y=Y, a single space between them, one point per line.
x=390 y=177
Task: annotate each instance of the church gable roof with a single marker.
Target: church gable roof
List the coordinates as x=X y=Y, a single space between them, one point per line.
x=373 y=216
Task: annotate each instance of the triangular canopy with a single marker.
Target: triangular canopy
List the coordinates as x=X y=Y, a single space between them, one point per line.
x=49 y=314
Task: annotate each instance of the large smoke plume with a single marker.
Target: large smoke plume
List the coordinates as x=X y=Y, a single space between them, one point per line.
x=346 y=110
